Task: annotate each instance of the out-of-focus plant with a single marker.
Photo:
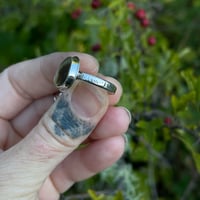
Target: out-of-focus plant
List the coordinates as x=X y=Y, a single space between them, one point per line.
x=152 y=48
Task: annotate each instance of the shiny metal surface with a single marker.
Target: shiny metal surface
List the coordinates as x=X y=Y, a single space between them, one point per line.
x=68 y=72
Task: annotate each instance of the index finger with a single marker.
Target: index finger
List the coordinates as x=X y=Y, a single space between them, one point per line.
x=24 y=82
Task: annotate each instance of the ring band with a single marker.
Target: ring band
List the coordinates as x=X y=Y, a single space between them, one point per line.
x=68 y=72
x=97 y=81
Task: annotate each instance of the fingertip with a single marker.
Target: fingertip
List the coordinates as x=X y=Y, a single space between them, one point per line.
x=115 y=121
x=128 y=113
x=118 y=146
x=113 y=150
x=105 y=153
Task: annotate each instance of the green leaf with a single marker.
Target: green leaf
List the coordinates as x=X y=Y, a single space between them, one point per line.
x=114 y=4
x=184 y=52
x=149 y=129
x=190 y=147
x=94 y=196
x=93 y=21
x=118 y=196
x=180 y=103
x=189 y=78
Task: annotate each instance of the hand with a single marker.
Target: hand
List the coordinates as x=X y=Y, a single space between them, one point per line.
x=39 y=138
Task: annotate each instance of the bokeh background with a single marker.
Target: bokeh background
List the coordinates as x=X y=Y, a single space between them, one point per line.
x=152 y=48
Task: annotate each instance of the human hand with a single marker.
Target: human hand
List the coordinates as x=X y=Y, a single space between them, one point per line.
x=38 y=159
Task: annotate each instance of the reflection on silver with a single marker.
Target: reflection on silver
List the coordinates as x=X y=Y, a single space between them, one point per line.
x=68 y=72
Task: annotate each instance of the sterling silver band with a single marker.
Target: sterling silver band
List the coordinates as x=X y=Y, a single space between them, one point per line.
x=110 y=87
x=68 y=72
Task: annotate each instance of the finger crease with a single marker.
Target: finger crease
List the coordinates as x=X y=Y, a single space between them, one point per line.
x=54 y=184
x=53 y=135
x=16 y=131
x=17 y=88
x=67 y=177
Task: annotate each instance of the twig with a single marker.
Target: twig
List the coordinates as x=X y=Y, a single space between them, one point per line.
x=151 y=179
x=190 y=188
x=150 y=149
x=155 y=153
x=155 y=113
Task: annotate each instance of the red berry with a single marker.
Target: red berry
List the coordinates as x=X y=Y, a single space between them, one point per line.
x=168 y=121
x=131 y=6
x=140 y=14
x=96 y=47
x=144 y=22
x=95 y=4
x=151 y=41
x=76 y=13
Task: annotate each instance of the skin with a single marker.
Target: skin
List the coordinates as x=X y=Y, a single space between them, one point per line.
x=68 y=123
x=39 y=138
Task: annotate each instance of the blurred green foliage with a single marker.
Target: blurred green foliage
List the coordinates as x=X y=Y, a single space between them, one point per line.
x=160 y=82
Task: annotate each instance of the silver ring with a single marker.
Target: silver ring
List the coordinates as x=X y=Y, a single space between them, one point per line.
x=68 y=72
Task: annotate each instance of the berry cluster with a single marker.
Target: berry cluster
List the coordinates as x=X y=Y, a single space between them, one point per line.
x=141 y=16
x=77 y=12
x=138 y=13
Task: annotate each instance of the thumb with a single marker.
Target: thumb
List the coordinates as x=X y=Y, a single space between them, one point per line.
x=63 y=127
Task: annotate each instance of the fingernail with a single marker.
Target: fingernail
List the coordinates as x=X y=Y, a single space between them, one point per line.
x=125 y=138
x=129 y=114
x=87 y=101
